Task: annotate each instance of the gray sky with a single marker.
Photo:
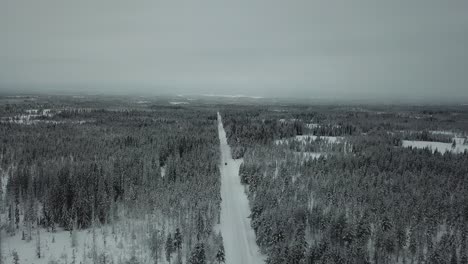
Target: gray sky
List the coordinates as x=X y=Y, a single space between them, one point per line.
x=299 y=48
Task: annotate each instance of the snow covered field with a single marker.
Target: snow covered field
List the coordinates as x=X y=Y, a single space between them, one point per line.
x=128 y=239
x=238 y=236
x=440 y=146
x=34 y=116
x=305 y=138
x=309 y=155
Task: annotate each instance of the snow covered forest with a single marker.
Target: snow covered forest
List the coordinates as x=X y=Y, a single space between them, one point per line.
x=167 y=180
x=95 y=182
x=354 y=193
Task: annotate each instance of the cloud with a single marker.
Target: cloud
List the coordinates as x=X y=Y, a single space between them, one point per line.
x=270 y=48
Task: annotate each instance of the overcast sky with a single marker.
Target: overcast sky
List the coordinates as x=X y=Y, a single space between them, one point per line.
x=298 y=48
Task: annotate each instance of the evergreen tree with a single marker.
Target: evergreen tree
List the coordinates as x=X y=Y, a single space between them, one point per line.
x=454 y=258
x=178 y=239
x=155 y=245
x=15 y=257
x=464 y=258
x=73 y=236
x=38 y=244
x=103 y=258
x=220 y=257
x=169 y=248
x=132 y=260
x=30 y=214
x=198 y=254
x=299 y=247
x=200 y=226
x=74 y=257
x=11 y=218
x=1 y=242
x=17 y=213
x=338 y=228
x=386 y=224
x=178 y=258
x=401 y=238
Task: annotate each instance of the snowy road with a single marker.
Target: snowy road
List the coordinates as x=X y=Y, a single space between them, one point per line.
x=238 y=236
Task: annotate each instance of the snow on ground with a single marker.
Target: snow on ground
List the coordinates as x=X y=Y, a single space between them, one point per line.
x=312 y=125
x=238 y=235
x=305 y=138
x=307 y=155
x=58 y=246
x=282 y=120
x=28 y=121
x=129 y=238
x=434 y=132
x=34 y=116
x=442 y=132
x=178 y=103
x=32 y=111
x=440 y=146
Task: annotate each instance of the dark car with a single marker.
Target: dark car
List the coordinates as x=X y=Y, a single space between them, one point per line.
x=225 y=163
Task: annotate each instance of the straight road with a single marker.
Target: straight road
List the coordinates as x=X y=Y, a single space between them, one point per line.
x=238 y=235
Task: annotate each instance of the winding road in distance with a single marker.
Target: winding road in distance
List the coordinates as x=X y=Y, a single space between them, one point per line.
x=238 y=235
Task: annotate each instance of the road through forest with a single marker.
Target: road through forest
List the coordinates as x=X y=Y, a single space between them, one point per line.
x=238 y=235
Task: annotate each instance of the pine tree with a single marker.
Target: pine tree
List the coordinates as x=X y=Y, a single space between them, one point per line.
x=1 y=252
x=11 y=218
x=154 y=245
x=463 y=258
x=200 y=226
x=401 y=239
x=463 y=247
x=244 y=174
x=73 y=234
x=94 y=245
x=132 y=260
x=1 y=194
x=178 y=258
x=103 y=259
x=338 y=228
x=220 y=257
x=15 y=257
x=17 y=213
x=386 y=224
x=169 y=248
x=413 y=246
x=73 y=257
x=453 y=258
x=198 y=255
x=38 y=244
x=363 y=231
x=178 y=240
x=299 y=247
x=30 y=214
